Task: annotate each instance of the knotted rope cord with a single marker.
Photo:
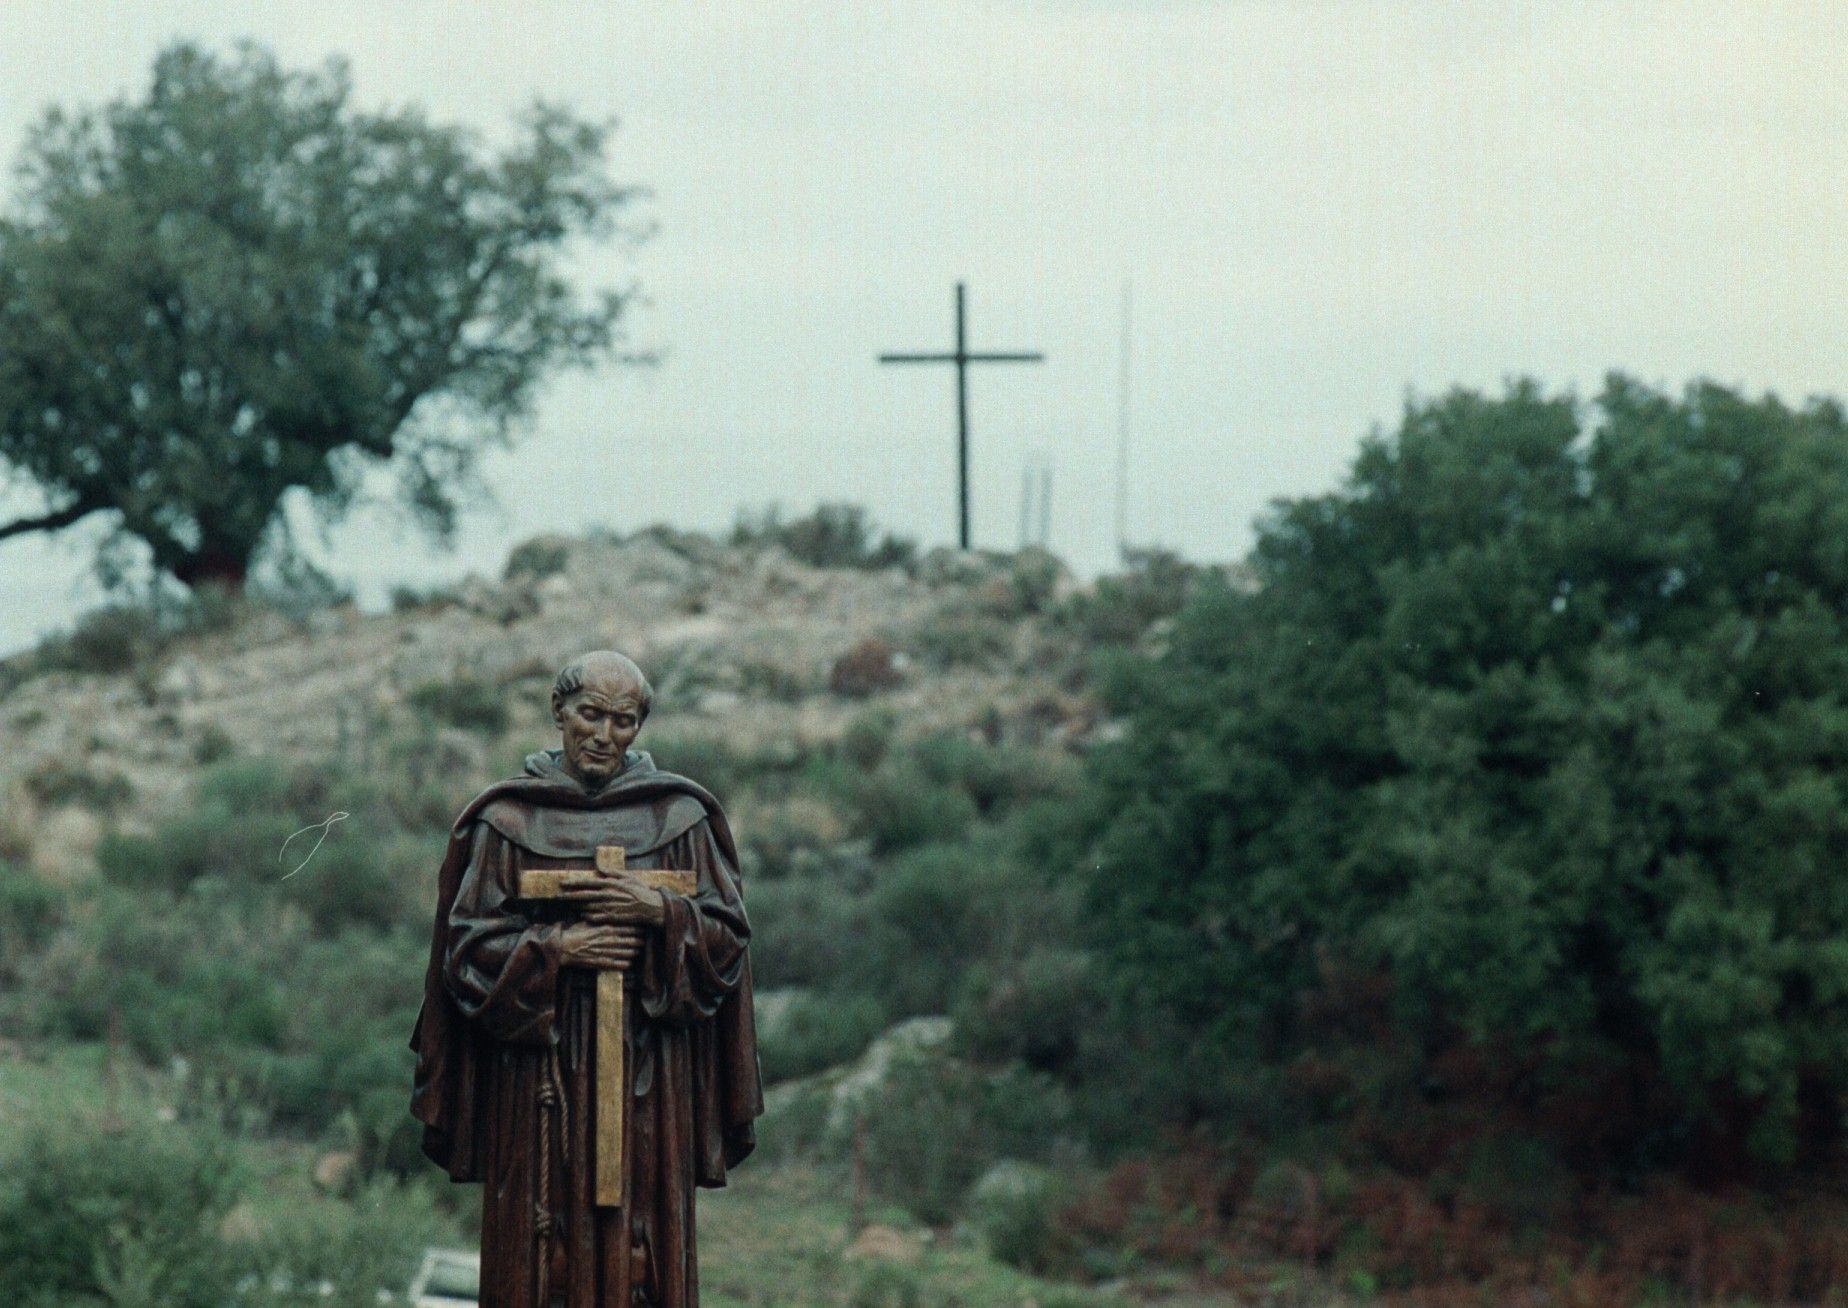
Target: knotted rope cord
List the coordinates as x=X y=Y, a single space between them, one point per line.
x=554 y=1108
x=542 y=1212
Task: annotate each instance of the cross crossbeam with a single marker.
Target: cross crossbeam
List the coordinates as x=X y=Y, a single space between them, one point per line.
x=962 y=357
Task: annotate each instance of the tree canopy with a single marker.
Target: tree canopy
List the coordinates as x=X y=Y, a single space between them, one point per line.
x=241 y=285
x=1540 y=720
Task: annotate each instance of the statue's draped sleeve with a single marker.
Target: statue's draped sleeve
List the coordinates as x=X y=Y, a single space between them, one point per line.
x=500 y=968
x=696 y=958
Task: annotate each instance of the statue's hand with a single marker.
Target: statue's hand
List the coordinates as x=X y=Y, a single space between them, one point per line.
x=620 y=901
x=607 y=948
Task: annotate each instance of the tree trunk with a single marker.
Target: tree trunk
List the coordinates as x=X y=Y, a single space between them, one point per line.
x=215 y=566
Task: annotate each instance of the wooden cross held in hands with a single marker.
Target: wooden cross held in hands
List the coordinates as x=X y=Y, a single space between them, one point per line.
x=612 y=1093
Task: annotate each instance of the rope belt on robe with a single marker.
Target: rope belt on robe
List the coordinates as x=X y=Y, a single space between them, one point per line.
x=554 y=1110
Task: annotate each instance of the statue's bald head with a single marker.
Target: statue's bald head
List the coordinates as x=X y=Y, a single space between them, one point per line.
x=611 y=675
x=599 y=702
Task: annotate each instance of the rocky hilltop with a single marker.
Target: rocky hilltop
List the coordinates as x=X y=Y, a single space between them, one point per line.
x=745 y=644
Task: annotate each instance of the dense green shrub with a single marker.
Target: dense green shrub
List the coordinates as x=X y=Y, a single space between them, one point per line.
x=931 y=913
x=537 y=559
x=100 y=790
x=937 y=1124
x=1120 y=608
x=195 y=974
x=1015 y=1207
x=112 y=639
x=288 y=976
x=256 y=827
x=307 y=1032
x=928 y=919
x=31 y=911
x=994 y=777
x=818 y=1032
x=137 y=1217
x=833 y=536
x=868 y=736
x=412 y=599
x=463 y=702
x=799 y=834
x=804 y=931
x=761 y=679
x=1038 y=1007
x=345 y=1255
x=1027 y=586
x=1541 y=720
x=958 y=637
x=342 y=1046
x=126 y=1217
x=717 y=764
x=899 y=806
x=795 y=1123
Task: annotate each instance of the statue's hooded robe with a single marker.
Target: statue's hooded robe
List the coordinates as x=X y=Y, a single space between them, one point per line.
x=505 y=1038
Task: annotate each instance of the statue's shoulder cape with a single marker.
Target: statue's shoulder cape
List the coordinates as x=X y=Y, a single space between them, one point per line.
x=642 y=808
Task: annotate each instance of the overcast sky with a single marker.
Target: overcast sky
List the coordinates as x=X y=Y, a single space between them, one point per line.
x=1320 y=208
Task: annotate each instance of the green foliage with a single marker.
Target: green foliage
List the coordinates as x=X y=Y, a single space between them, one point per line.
x=995 y=778
x=305 y=1029
x=799 y=833
x=1015 y=1208
x=1039 y=1007
x=868 y=736
x=760 y=679
x=964 y=637
x=899 y=806
x=233 y=832
x=929 y=913
x=833 y=536
x=287 y=289
x=31 y=909
x=197 y=976
x=57 y=783
x=1542 y=718
x=537 y=559
x=345 y=1255
x=795 y=1122
x=113 y=639
x=929 y=920
x=803 y=931
x=819 y=1032
x=289 y=982
x=1120 y=609
x=127 y=635
x=887 y=1285
x=341 y=1053
x=463 y=702
x=937 y=1123
x=1028 y=585
x=714 y=762
x=410 y=599
x=120 y=1217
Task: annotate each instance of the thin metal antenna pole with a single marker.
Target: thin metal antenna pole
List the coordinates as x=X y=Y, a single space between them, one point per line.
x=962 y=424
x=1045 y=504
x=1122 y=499
x=1026 y=500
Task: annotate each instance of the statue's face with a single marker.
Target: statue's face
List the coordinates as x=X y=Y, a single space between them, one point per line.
x=597 y=724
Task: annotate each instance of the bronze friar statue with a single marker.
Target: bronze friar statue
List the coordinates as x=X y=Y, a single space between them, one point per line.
x=586 y=1047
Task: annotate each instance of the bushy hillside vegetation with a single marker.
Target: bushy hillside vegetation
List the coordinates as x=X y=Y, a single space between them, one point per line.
x=1449 y=902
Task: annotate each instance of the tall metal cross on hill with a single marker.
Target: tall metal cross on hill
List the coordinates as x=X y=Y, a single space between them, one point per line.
x=962 y=358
